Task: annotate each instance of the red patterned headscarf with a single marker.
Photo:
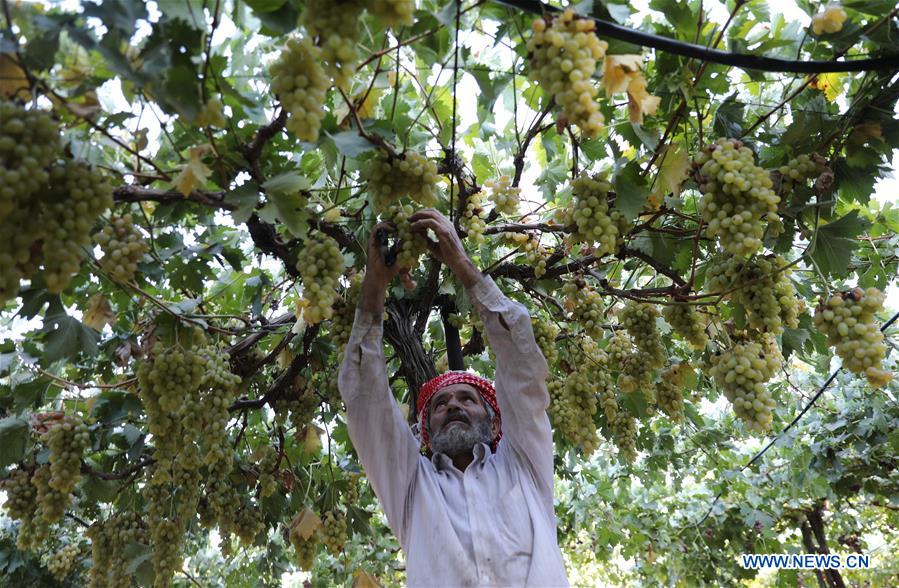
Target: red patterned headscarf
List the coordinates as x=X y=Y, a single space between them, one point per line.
x=482 y=385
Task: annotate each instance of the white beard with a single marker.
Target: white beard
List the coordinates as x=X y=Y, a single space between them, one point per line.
x=458 y=440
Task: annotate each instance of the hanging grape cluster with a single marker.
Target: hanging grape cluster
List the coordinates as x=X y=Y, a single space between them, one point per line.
x=848 y=320
x=563 y=55
x=799 y=170
x=212 y=115
x=687 y=322
x=737 y=199
x=504 y=196
x=29 y=142
x=301 y=85
x=634 y=371
x=110 y=540
x=741 y=372
x=267 y=458
x=336 y=26
x=61 y=561
x=22 y=504
x=545 y=332
x=333 y=531
x=123 y=247
x=669 y=394
x=535 y=254
x=585 y=305
x=472 y=219
x=320 y=264
x=590 y=211
x=412 y=245
x=639 y=319
x=345 y=312
x=393 y=13
x=67 y=440
x=574 y=404
x=391 y=178
x=763 y=287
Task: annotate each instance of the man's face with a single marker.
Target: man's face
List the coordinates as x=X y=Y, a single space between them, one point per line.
x=458 y=420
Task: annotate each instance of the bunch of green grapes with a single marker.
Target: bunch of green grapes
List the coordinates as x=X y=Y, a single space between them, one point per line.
x=830 y=21
x=585 y=305
x=51 y=503
x=164 y=381
x=29 y=142
x=320 y=264
x=799 y=170
x=411 y=245
x=211 y=115
x=687 y=323
x=670 y=397
x=220 y=388
x=123 y=247
x=504 y=195
x=109 y=549
x=391 y=178
x=333 y=532
x=634 y=372
x=763 y=287
x=737 y=197
x=186 y=481
x=393 y=13
x=624 y=434
x=166 y=538
x=572 y=408
x=304 y=548
x=472 y=219
x=249 y=524
x=590 y=211
x=741 y=373
x=545 y=332
x=301 y=84
x=61 y=561
x=22 y=504
x=67 y=440
x=19 y=251
x=267 y=458
x=563 y=55
x=848 y=321
x=76 y=198
x=639 y=319
x=335 y=25
x=345 y=313
x=528 y=244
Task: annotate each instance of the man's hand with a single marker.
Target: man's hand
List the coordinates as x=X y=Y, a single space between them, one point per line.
x=378 y=274
x=448 y=249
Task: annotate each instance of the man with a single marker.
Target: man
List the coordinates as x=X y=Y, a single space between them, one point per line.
x=479 y=511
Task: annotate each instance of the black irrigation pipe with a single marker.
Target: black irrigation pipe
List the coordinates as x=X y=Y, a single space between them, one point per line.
x=742 y=60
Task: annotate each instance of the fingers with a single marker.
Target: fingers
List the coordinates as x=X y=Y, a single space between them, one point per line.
x=406 y=279
x=426 y=223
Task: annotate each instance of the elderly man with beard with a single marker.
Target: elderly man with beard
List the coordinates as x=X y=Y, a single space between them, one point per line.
x=477 y=509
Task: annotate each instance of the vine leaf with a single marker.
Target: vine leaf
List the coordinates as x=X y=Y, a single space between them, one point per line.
x=13 y=434
x=675 y=163
x=630 y=191
x=729 y=118
x=835 y=242
x=65 y=336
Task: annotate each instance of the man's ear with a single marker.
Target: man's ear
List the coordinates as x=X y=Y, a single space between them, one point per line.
x=496 y=425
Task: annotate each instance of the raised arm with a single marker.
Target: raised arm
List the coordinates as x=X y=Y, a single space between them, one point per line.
x=520 y=366
x=385 y=444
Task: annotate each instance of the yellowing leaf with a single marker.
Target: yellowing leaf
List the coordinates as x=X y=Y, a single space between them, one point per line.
x=285 y=358
x=362 y=579
x=674 y=163
x=831 y=84
x=312 y=441
x=367 y=108
x=98 y=313
x=639 y=101
x=12 y=77
x=194 y=173
x=618 y=71
x=866 y=131
x=305 y=524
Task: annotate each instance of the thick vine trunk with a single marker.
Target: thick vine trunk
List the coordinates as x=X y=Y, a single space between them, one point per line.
x=415 y=365
x=812 y=530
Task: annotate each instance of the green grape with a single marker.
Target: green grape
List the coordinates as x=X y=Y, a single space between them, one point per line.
x=640 y=321
x=301 y=84
x=393 y=13
x=335 y=25
x=333 y=532
x=687 y=323
x=21 y=495
x=123 y=247
x=472 y=219
x=411 y=245
x=741 y=372
x=19 y=250
x=51 y=503
x=166 y=537
x=799 y=170
x=590 y=211
x=267 y=456
x=61 y=561
x=737 y=197
x=545 y=332
x=573 y=405
x=67 y=440
x=211 y=115
x=585 y=305
x=504 y=195
x=563 y=58
x=634 y=372
x=305 y=550
x=670 y=397
x=624 y=434
x=249 y=524
x=345 y=313
x=29 y=142
x=320 y=264
x=391 y=178
x=848 y=320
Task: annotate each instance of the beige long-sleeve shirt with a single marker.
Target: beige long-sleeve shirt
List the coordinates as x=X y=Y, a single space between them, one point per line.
x=493 y=524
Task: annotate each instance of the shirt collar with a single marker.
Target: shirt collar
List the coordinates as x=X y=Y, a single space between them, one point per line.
x=442 y=461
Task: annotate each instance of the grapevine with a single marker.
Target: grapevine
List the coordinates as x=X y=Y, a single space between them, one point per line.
x=393 y=177
x=504 y=195
x=563 y=56
x=687 y=323
x=848 y=321
x=737 y=197
x=741 y=372
x=320 y=264
x=123 y=247
x=301 y=84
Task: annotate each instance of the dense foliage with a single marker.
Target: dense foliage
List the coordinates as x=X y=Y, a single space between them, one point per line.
x=186 y=189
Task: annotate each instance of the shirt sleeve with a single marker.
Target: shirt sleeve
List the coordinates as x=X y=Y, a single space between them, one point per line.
x=521 y=372
x=384 y=442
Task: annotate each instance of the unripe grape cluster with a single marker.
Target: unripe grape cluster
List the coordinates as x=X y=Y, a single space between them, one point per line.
x=344 y=314
x=741 y=372
x=623 y=428
x=412 y=245
x=391 y=178
x=528 y=244
x=545 y=332
x=123 y=247
x=473 y=216
x=110 y=540
x=639 y=319
x=829 y=21
x=585 y=305
x=301 y=85
x=267 y=456
x=687 y=322
x=590 y=211
x=848 y=320
x=763 y=287
x=393 y=13
x=22 y=504
x=669 y=394
x=335 y=24
x=504 y=195
x=634 y=371
x=304 y=548
x=563 y=58
x=800 y=169
x=29 y=142
x=320 y=264
x=333 y=531
x=67 y=440
x=61 y=561
x=737 y=197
